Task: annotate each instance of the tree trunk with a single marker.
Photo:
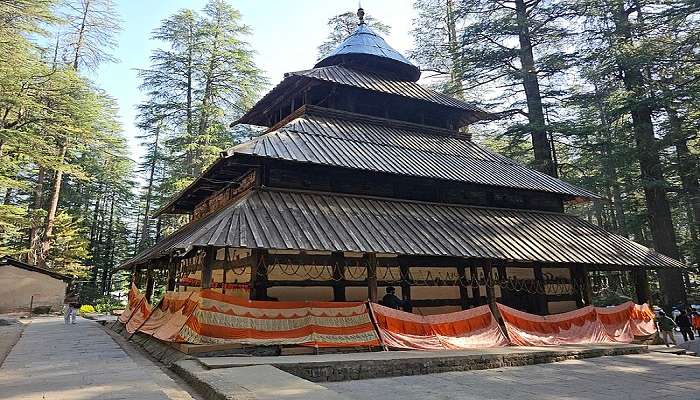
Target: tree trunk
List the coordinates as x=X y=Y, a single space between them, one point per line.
x=81 y=34
x=688 y=172
x=456 y=87
x=151 y=174
x=53 y=206
x=540 y=142
x=34 y=236
x=658 y=208
x=107 y=266
x=189 y=72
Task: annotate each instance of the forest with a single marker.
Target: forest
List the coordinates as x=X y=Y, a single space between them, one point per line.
x=604 y=94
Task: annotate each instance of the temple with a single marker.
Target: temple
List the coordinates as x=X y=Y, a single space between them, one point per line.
x=364 y=179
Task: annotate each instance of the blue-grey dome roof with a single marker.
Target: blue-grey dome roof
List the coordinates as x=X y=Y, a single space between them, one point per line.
x=365 y=48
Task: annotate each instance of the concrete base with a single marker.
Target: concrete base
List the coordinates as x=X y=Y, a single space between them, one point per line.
x=342 y=367
x=259 y=382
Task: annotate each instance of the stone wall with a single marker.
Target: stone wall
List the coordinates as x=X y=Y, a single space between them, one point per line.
x=17 y=286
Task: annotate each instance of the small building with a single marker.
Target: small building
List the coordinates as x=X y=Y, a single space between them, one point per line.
x=364 y=179
x=23 y=285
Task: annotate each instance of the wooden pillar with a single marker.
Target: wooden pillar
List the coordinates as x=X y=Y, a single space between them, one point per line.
x=208 y=266
x=476 y=291
x=542 y=304
x=583 y=281
x=405 y=282
x=171 y=276
x=137 y=277
x=641 y=286
x=258 y=276
x=491 y=293
x=576 y=281
x=223 y=280
x=463 y=295
x=150 y=283
x=339 y=281
x=371 y=262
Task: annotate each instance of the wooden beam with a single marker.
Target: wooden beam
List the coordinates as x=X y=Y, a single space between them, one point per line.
x=171 y=277
x=584 y=281
x=577 y=295
x=463 y=295
x=150 y=284
x=436 y=302
x=258 y=277
x=641 y=286
x=208 y=266
x=542 y=306
x=339 y=282
x=371 y=262
x=476 y=291
x=405 y=284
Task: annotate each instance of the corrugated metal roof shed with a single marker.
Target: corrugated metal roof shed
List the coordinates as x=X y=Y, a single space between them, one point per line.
x=376 y=146
x=278 y=219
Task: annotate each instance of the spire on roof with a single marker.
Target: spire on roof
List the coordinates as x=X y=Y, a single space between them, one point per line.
x=365 y=49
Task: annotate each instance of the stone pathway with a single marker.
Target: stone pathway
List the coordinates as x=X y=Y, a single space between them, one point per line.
x=631 y=377
x=54 y=361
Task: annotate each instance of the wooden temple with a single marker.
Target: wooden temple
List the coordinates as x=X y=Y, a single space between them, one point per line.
x=365 y=179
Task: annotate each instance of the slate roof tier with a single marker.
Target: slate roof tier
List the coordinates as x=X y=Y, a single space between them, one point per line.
x=358 y=79
x=310 y=221
x=374 y=144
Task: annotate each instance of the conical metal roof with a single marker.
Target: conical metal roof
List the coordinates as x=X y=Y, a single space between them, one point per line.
x=366 y=49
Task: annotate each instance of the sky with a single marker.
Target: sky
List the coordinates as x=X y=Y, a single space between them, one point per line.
x=285 y=35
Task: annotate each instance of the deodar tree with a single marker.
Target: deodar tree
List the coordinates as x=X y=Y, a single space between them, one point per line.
x=199 y=81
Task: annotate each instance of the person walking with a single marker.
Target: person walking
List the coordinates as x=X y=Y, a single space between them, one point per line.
x=71 y=306
x=666 y=326
x=694 y=319
x=683 y=322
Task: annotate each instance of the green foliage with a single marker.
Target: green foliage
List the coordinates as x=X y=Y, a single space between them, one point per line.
x=343 y=25
x=106 y=304
x=585 y=55
x=54 y=119
x=201 y=79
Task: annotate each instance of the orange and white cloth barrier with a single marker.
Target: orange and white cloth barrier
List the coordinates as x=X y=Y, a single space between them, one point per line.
x=585 y=325
x=474 y=328
x=624 y=322
x=206 y=316
x=574 y=327
x=137 y=310
x=226 y=319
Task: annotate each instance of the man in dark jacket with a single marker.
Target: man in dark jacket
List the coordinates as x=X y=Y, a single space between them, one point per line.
x=666 y=326
x=390 y=299
x=686 y=327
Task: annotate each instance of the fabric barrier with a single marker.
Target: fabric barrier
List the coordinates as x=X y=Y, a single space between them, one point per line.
x=574 y=327
x=624 y=322
x=474 y=328
x=585 y=325
x=137 y=310
x=226 y=319
x=206 y=316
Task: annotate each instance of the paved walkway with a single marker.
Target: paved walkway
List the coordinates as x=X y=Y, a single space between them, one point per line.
x=54 y=361
x=632 y=377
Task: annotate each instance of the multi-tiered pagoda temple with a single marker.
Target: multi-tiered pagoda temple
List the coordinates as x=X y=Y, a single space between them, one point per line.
x=364 y=179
